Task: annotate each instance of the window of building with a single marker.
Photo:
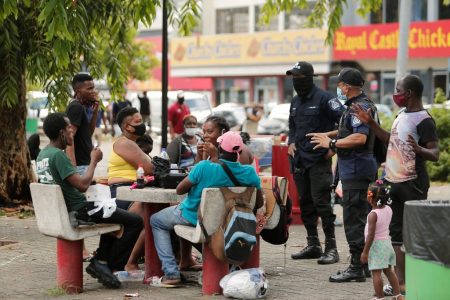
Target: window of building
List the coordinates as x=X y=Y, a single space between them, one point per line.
x=419 y=10
x=272 y=26
x=297 y=18
x=389 y=12
x=444 y=11
x=232 y=90
x=232 y=20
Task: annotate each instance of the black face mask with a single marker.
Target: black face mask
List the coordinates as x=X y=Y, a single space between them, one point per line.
x=303 y=85
x=181 y=100
x=139 y=130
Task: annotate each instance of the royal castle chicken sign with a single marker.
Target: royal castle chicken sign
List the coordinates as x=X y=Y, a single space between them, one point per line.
x=426 y=39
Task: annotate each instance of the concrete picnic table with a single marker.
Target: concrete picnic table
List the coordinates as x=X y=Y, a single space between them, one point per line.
x=154 y=199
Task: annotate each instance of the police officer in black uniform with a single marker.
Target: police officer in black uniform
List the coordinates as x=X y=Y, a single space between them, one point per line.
x=313 y=110
x=357 y=165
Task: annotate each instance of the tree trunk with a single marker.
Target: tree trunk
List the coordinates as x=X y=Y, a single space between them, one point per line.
x=15 y=165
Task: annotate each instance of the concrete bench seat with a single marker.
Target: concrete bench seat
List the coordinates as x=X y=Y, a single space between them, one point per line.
x=52 y=220
x=212 y=208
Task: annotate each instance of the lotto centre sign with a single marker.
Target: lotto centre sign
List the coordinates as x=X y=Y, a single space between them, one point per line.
x=263 y=48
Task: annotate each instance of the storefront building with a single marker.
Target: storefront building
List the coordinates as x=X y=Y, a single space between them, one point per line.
x=374 y=49
x=234 y=58
x=248 y=68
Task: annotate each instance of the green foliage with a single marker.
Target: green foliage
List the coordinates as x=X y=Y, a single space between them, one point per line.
x=440 y=170
x=386 y=122
x=439 y=96
x=326 y=13
x=48 y=40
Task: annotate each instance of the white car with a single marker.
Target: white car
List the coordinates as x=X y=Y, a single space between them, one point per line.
x=277 y=122
x=234 y=113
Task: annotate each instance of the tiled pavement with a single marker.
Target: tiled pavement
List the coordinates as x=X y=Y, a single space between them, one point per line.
x=28 y=271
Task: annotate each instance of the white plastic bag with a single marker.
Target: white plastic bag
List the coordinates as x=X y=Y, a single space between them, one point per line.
x=101 y=196
x=245 y=284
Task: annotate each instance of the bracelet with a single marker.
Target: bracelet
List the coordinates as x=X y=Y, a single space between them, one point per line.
x=332 y=145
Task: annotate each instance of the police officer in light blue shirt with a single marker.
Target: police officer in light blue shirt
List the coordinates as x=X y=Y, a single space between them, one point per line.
x=354 y=144
x=313 y=110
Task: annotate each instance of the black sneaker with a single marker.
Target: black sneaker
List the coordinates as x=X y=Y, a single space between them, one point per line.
x=103 y=274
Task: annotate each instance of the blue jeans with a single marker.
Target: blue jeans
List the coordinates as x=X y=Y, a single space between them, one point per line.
x=162 y=223
x=82 y=169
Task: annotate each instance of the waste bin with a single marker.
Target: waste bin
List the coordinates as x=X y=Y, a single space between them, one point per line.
x=426 y=238
x=280 y=167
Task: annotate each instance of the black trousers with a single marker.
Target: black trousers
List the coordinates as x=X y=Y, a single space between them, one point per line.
x=313 y=187
x=116 y=251
x=400 y=193
x=355 y=211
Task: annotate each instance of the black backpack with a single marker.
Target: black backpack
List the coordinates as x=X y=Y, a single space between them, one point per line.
x=379 y=148
x=280 y=234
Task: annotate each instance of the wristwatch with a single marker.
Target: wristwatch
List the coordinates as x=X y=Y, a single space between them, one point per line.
x=332 y=145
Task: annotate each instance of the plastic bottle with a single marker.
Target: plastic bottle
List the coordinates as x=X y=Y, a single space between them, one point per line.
x=140 y=181
x=174 y=169
x=124 y=276
x=164 y=154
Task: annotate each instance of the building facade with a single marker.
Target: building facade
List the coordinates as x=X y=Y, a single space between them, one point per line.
x=239 y=60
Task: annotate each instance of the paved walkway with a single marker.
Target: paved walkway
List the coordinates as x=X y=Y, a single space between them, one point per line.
x=28 y=270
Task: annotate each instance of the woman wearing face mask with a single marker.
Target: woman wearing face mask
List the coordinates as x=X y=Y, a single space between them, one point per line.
x=122 y=166
x=183 y=149
x=126 y=155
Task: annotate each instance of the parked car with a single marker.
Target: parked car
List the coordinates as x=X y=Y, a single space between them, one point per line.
x=232 y=112
x=277 y=122
x=198 y=104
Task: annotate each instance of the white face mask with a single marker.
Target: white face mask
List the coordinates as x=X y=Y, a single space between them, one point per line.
x=190 y=131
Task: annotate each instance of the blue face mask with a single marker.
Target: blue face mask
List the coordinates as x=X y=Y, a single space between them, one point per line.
x=340 y=96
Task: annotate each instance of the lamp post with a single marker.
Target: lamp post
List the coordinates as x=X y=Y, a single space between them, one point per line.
x=165 y=79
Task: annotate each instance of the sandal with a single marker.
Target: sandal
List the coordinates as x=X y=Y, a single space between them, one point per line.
x=165 y=282
x=388 y=290
x=397 y=297
x=88 y=258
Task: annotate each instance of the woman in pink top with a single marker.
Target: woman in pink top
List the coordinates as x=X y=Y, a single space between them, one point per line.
x=378 y=250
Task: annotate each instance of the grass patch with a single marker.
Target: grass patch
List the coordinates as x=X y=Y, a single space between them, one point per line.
x=55 y=292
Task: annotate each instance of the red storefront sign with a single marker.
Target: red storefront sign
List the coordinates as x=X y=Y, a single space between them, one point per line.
x=426 y=39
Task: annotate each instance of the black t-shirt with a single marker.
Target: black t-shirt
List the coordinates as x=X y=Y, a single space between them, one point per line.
x=145 y=105
x=82 y=139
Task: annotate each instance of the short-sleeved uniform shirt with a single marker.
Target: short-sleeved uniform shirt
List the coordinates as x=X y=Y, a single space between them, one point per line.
x=82 y=139
x=176 y=114
x=318 y=111
x=53 y=166
x=357 y=168
x=209 y=174
x=402 y=164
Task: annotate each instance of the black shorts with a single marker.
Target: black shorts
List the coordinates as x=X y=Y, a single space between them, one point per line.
x=400 y=193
